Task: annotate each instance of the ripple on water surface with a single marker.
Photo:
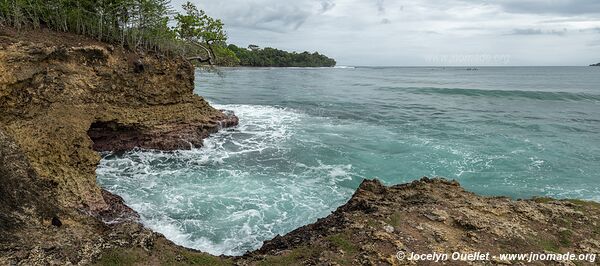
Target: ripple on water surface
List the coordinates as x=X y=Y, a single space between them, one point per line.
x=308 y=136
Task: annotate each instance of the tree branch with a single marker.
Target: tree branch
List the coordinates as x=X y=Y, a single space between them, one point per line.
x=199 y=59
x=203 y=60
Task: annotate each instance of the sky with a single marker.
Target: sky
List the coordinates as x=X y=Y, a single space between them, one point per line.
x=419 y=32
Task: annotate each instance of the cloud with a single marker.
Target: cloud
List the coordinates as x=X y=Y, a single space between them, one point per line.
x=380 y=6
x=530 y=31
x=567 y=7
x=278 y=16
x=327 y=5
x=594 y=43
x=388 y=32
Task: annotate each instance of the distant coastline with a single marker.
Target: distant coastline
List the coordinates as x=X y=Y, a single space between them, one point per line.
x=254 y=56
x=598 y=64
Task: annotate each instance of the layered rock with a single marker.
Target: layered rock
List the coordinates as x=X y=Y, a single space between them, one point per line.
x=63 y=98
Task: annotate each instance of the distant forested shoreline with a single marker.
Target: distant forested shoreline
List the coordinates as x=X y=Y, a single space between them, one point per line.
x=253 y=56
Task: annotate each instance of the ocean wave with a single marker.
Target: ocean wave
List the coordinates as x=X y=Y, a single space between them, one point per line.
x=243 y=187
x=535 y=95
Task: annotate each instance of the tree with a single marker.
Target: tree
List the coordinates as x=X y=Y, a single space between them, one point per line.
x=201 y=30
x=271 y=57
x=135 y=24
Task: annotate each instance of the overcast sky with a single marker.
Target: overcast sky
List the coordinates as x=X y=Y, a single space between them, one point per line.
x=419 y=32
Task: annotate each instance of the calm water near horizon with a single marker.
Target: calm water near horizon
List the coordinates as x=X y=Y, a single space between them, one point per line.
x=307 y=137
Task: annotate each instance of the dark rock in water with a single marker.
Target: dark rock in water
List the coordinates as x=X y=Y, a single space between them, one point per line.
x=56 y=222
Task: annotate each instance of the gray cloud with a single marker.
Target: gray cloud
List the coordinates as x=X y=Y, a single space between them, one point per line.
x=271 y=15
x=380 y=6
x=549 y=6
x=553 y=7
x=530 y=31
x=393 y=32
x=327 y=5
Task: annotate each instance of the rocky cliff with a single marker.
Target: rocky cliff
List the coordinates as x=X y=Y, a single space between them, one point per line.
x=63 y=98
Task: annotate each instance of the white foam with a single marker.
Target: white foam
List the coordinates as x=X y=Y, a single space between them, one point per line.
x=240 y=189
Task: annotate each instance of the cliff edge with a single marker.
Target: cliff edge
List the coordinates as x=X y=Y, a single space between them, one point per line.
x=63 y=98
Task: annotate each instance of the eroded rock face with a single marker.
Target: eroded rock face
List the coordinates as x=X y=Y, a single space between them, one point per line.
x=63 y=98
x=114 y=136
x=26 y=200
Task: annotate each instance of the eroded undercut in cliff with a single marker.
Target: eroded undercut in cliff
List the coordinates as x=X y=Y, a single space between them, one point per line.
x=113 y=136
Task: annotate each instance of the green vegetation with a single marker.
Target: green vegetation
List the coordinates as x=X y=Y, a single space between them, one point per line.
x=341 y=241
x=225 y=57
x=135 y=24
x=395 y=219
x=584 y=203
x=294 y=257
x=564 y=237
x=271 y=57
x=162 y=255
x=115 y=257
x=548 y=245
x=200 y=30
x=146 y=25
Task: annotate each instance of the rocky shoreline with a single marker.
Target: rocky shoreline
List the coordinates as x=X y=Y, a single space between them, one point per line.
x=64 y=97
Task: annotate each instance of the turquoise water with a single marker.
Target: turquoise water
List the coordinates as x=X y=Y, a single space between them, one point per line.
x=307 y=137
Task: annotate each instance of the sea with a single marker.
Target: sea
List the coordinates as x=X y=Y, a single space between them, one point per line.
x=308 y=136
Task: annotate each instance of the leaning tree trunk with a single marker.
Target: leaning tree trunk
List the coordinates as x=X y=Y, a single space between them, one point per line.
x=209 y=52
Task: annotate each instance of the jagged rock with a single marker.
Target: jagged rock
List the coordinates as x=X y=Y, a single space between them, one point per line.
x=62 y=98
x=437 y=215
